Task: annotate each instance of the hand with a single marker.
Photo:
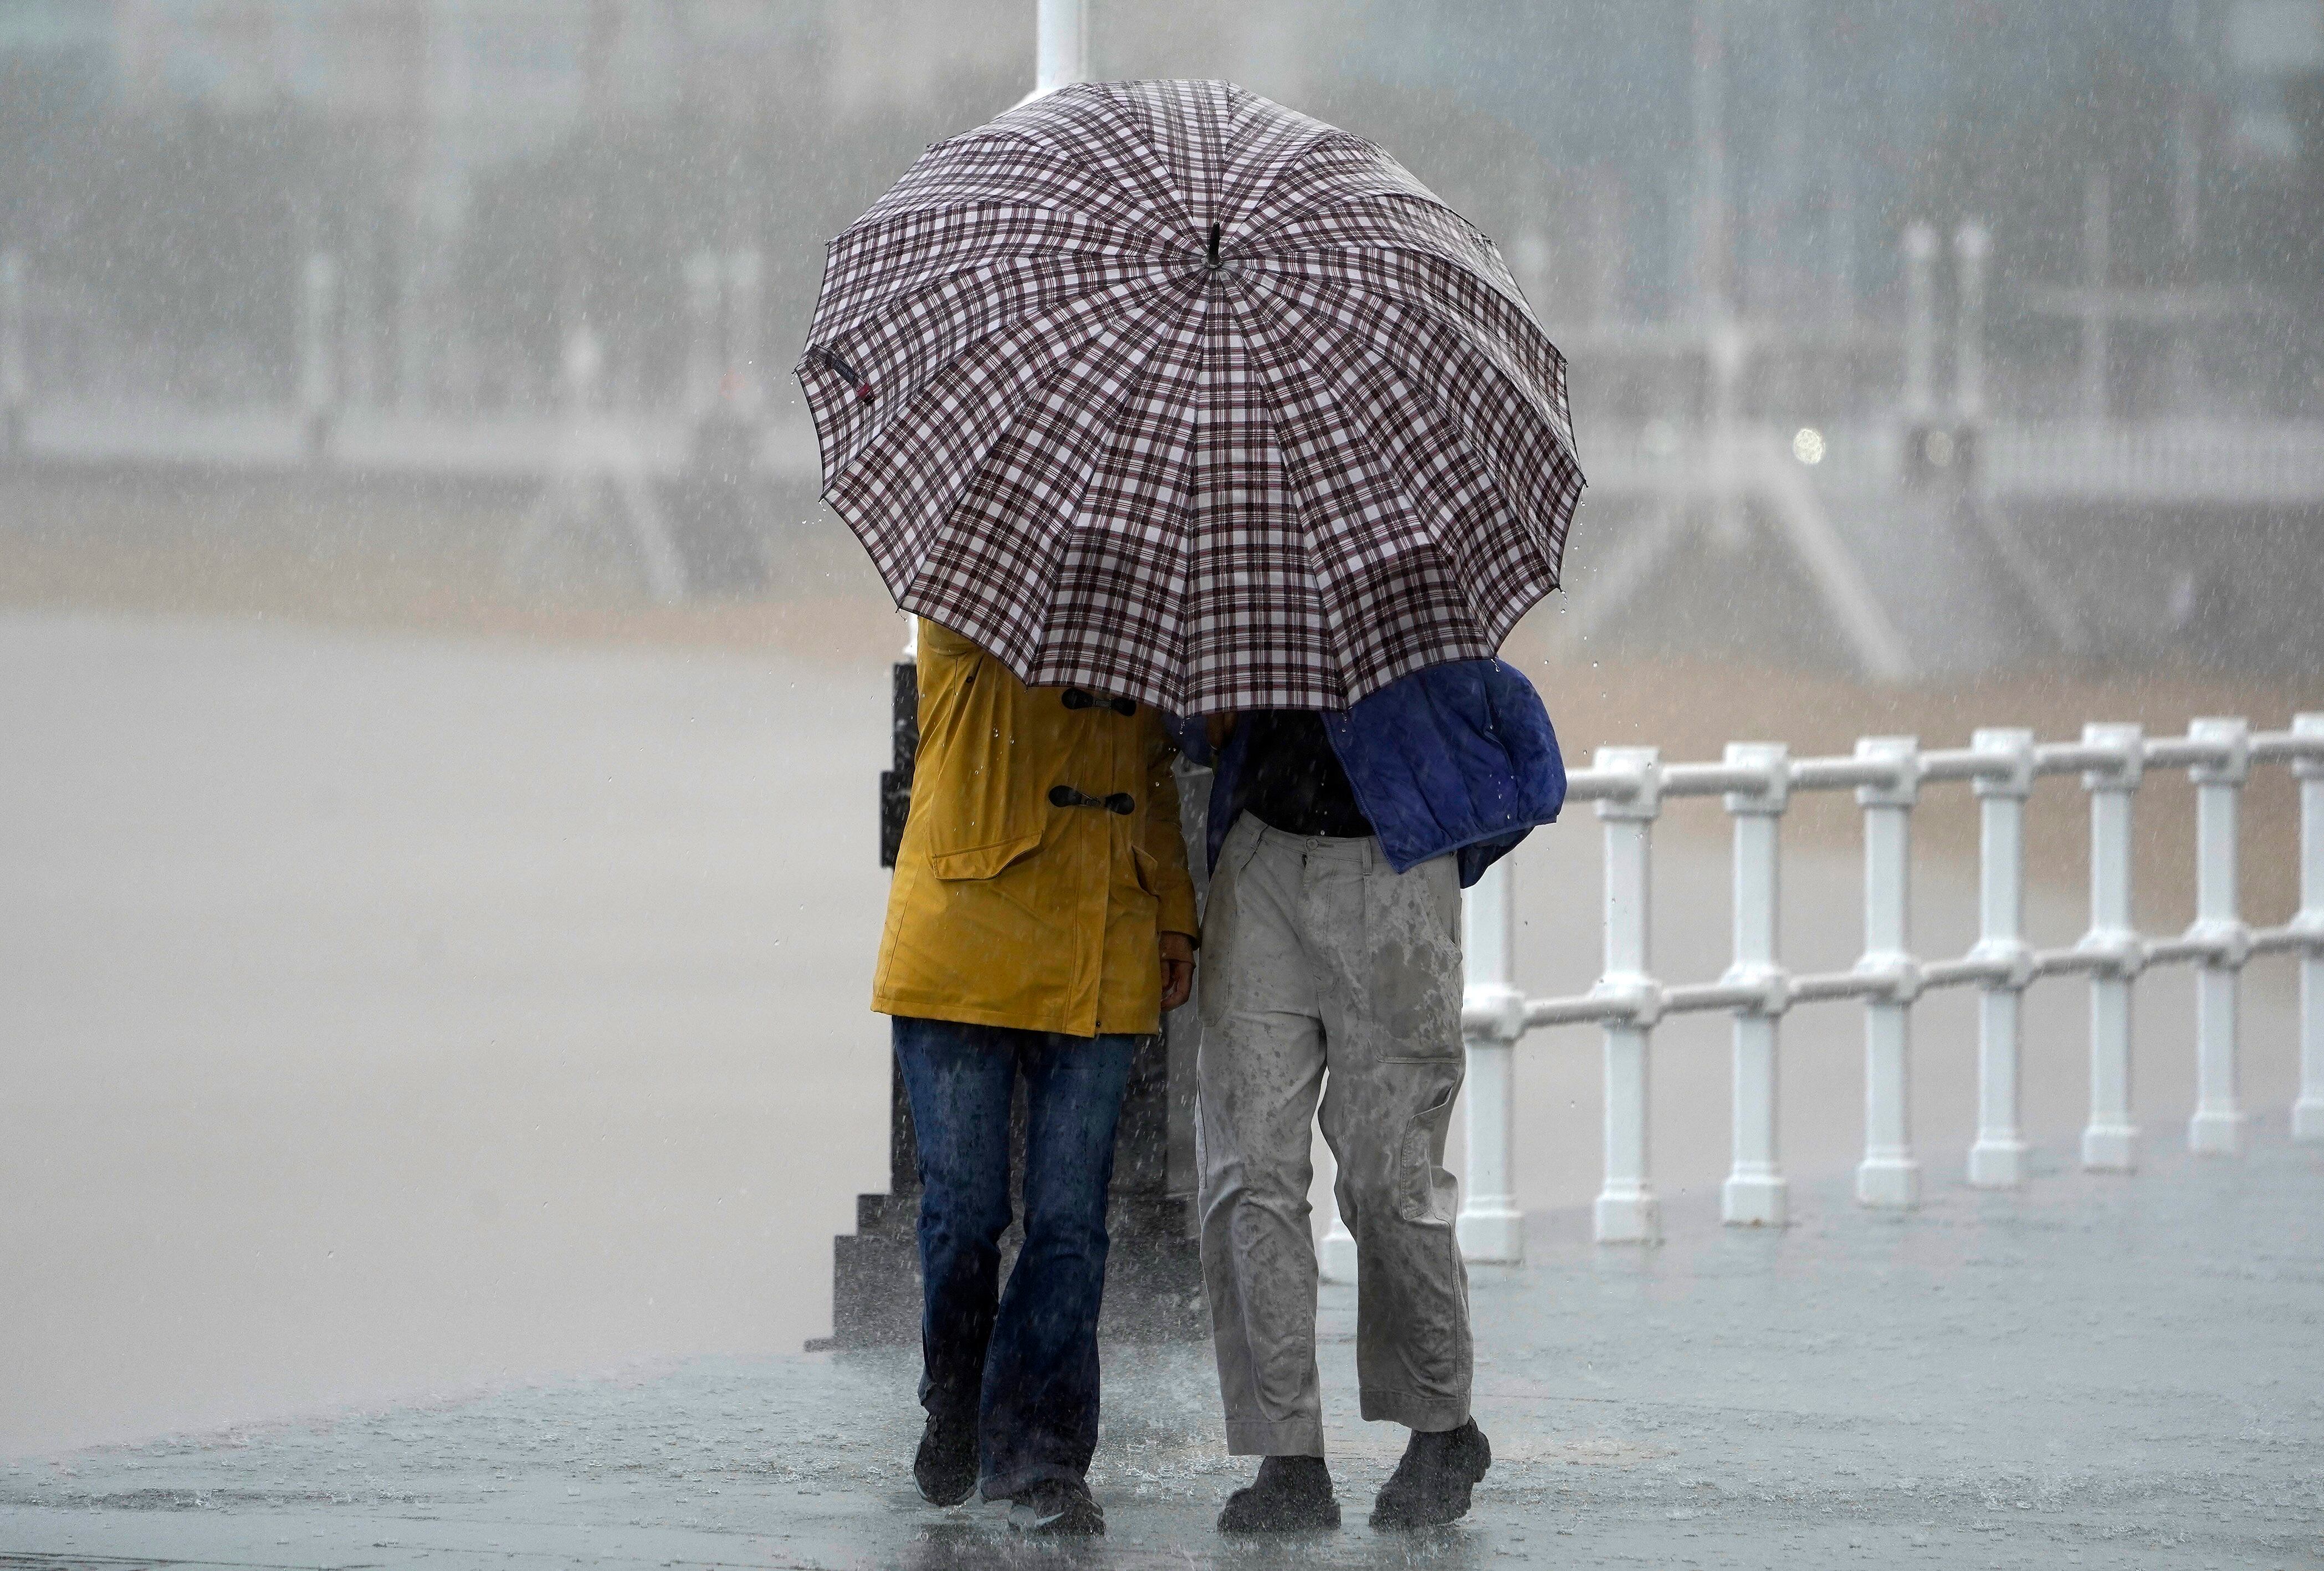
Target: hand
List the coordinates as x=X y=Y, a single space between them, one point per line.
x=1177 y=970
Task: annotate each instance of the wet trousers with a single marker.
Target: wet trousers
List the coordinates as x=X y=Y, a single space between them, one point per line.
x=1326 y=972
x=1021 y=1365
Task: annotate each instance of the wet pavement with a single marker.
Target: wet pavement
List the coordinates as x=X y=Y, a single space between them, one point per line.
x=2098 y=1372
x=389 y=1016
x=394 y=1016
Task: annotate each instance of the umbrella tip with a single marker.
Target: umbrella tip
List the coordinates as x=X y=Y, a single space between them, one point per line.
x=1213 y=258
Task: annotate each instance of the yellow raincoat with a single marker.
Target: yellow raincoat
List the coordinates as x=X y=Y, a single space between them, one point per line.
x=1007 y=909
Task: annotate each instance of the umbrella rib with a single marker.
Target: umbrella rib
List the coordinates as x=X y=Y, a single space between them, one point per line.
x=1208 y=125
x=1024 y=126
x=1386 y=205
x=1391 y=182
x=1559 y=429
x=1394 y=202
x=1262 y=392
x=896 y=410
x=1126 y=237
x=1103 y=328
x=1113 y=109
x=1264 y=328
x=1557 y=412
x=860 y=237
x=1478 y=257
x=1125 y=268
x=1275 y=170
x=917 y=596
x=1150 y=375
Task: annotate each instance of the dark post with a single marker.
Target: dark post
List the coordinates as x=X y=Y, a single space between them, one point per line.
x=1154 y=1287
x=896 y=780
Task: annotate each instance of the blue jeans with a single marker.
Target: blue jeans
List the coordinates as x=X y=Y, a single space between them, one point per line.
x=1022 y=1363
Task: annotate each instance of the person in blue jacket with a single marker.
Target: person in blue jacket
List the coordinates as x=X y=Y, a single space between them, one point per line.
x=1339 y=843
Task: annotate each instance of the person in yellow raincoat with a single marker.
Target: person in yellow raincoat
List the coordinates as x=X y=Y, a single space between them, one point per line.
x=1040 y=921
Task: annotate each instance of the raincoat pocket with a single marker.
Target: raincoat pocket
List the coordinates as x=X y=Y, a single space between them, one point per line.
x=981 y=861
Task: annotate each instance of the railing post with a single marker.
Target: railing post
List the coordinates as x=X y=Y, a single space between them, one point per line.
x=1491 y=1228
x=318 y=364
x=1998 y=1159
x=1626 y=1210
x=1973 y=250
x=2216 y=1127
x=1756 y=1194
x=705 y=367
x=2307 y=1114
x=2110 y=1141
x=745 y=304
x=1888 y=1175
x=14 y=377
x=1920 y=320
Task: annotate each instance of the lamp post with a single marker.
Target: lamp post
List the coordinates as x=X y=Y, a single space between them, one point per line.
x=1061 y=44
x=318 y=367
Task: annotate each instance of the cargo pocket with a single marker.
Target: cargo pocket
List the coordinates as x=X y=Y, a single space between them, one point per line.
x=1426 y=1193
x=1412 y=923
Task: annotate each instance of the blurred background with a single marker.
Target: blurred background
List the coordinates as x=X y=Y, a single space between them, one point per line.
x=439 y=838
x=2017 y=301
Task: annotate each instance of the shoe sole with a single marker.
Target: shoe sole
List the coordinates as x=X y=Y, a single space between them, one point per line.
x=1323 y=1523
x=1397 y=1522
x=1061 y=1527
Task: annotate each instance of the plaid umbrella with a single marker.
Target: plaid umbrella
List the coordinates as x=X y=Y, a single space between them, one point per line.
x=1162 y=390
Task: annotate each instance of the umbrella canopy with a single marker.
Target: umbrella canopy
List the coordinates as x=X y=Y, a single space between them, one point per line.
x=1162 y=390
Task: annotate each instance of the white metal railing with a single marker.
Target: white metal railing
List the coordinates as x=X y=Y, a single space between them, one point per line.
x=1755 y=781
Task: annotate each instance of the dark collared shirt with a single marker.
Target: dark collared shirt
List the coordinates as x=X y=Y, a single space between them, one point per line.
x=1296 y=782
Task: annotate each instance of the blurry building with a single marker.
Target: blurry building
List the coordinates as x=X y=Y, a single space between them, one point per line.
x=436 y=147
x=1638 y=158
x=2274 y=50
x=1911 y=244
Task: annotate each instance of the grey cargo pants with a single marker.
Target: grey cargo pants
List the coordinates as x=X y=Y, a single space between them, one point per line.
x=1318 y=956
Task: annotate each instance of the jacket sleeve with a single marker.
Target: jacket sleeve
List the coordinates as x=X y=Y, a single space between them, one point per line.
x=1165 y=841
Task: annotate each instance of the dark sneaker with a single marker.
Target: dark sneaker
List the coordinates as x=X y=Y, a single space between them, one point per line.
x=1292 y=1494
x=946 y=1467
x=1056 y=1507
x=1430 y=1485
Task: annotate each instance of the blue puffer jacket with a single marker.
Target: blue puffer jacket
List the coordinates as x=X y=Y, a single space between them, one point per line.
x=1453 y=758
